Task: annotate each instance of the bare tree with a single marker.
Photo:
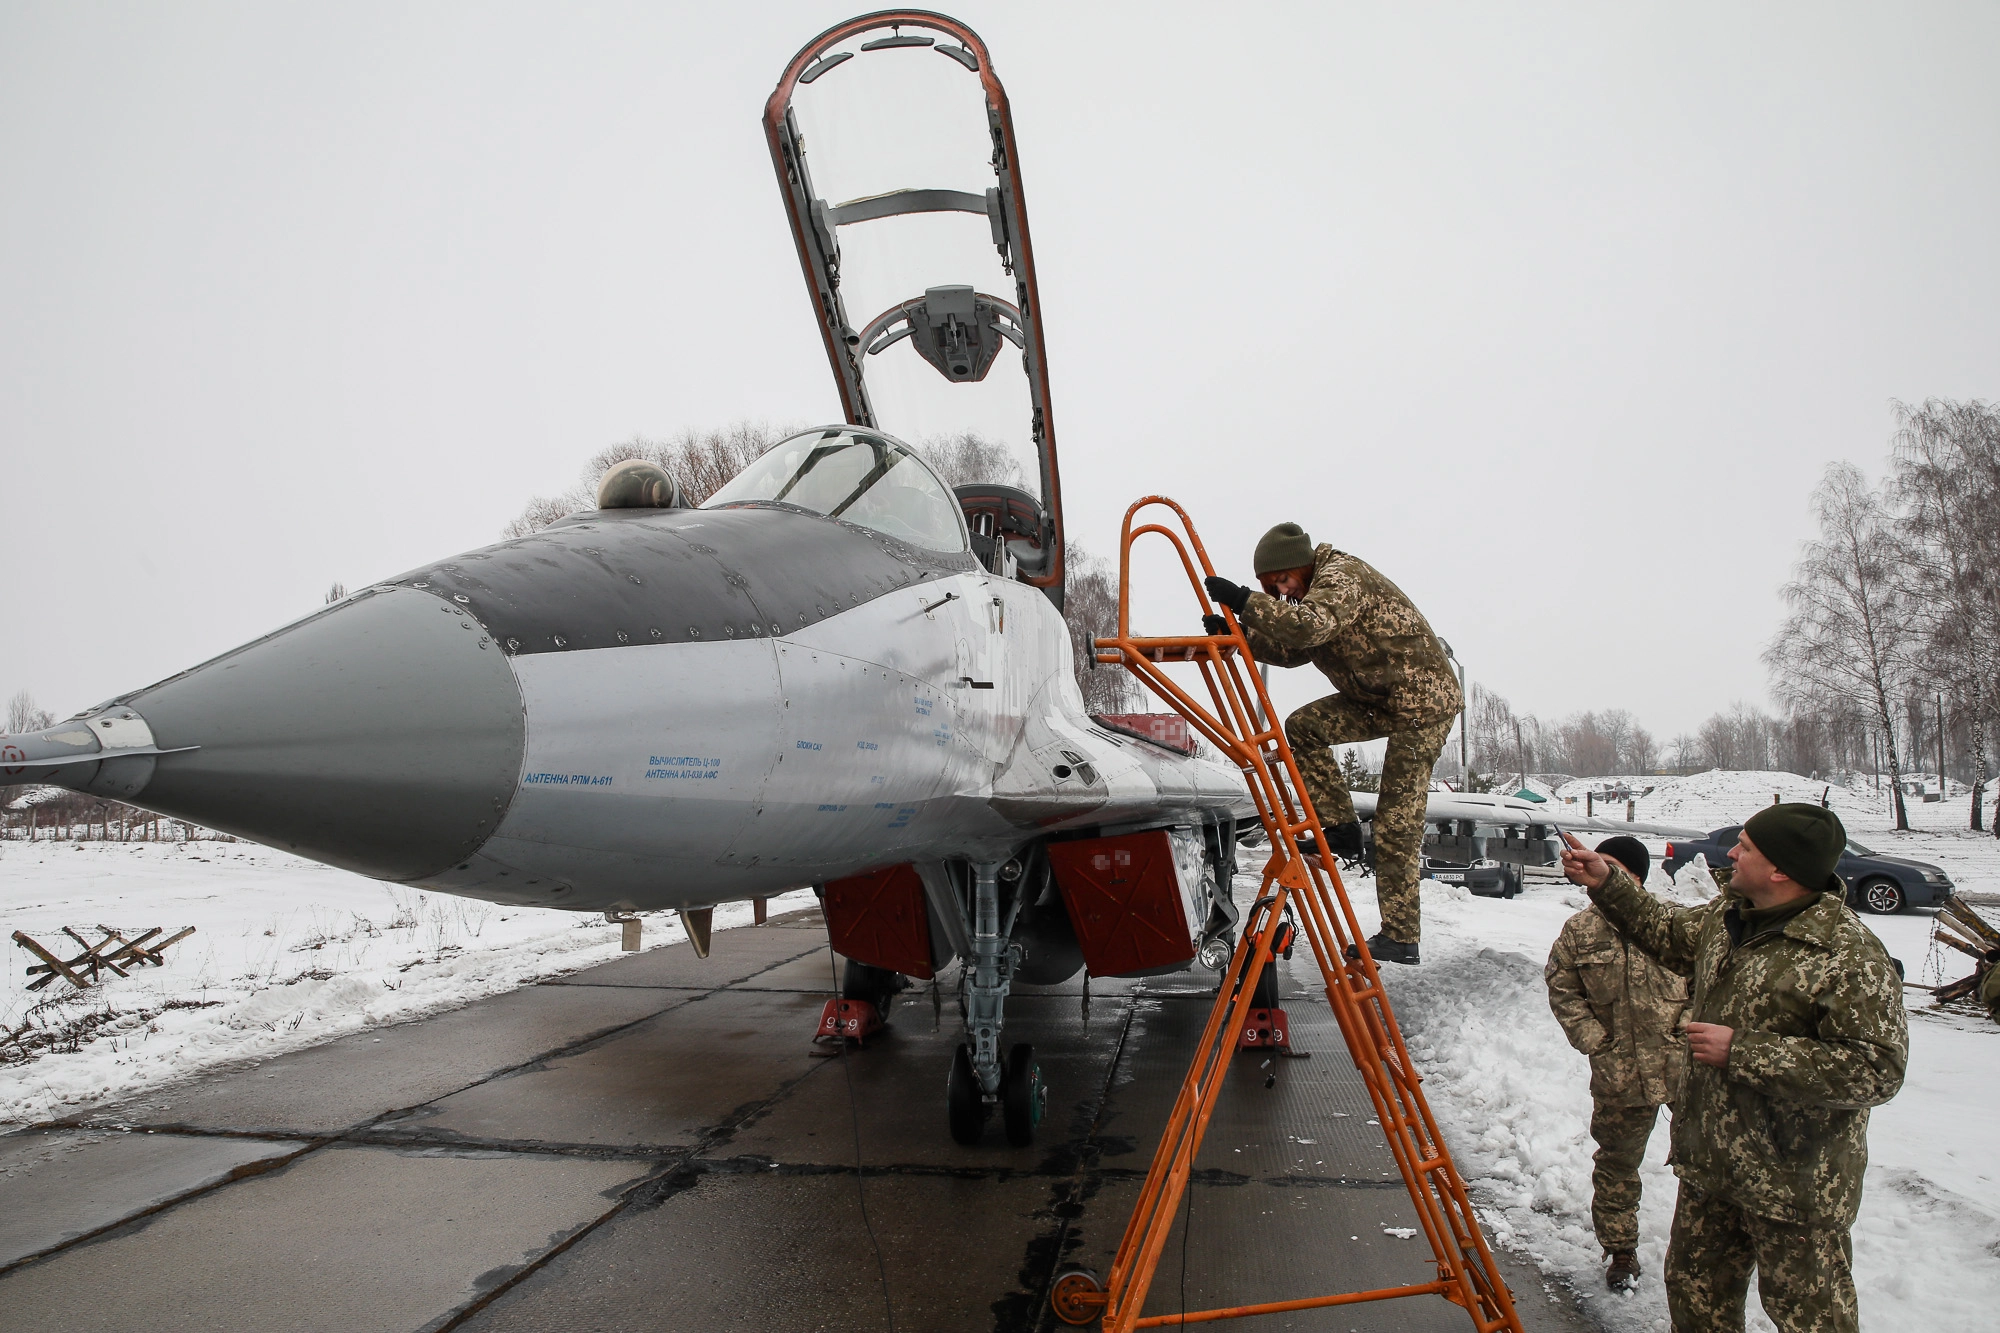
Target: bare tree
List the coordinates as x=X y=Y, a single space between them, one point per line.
x=24 y=715
x=699 y=461
x=1844 y=640
x=1640 y=752
x=335 y=593
x=1090 y=609
x=968 y=457
x=1947 y=474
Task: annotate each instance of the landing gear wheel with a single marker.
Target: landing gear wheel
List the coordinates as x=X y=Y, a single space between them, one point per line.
x=1077 y=1296
x=877 y=985
x=964 y=1100
x=1022 y=1095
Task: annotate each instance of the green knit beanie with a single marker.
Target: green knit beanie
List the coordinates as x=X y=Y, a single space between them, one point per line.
x=1804 y=841
x=1283 y=547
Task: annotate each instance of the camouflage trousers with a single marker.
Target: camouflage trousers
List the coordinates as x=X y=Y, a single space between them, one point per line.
x=1621 y=1133
x=1399 y=805
x=1804 y=1272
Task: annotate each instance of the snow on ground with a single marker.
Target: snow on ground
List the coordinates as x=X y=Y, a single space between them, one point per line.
x=286 y=954
x=1513 y=1098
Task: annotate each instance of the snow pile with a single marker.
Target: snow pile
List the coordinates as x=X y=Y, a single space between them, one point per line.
x=1718 y=797
x=286 y=954
x=1575 y=788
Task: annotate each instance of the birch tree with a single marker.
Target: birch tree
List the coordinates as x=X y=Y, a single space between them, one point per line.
x=1844 y=639
x=1947 y=476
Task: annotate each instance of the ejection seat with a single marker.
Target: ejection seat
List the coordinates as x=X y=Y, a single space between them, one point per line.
x=1010 y=530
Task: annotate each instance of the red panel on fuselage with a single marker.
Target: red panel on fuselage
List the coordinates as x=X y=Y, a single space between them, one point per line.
x=879 y=918
x=1124 y=899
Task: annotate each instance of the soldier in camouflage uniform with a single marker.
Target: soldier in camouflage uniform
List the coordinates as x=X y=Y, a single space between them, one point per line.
x=1623 y=1010
x=1796 y=1029
x=1338 y=613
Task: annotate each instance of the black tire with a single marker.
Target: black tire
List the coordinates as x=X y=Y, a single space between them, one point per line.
x=1883 y=897
x=1021 y=1095
x=964 y=1104
x=877 y=985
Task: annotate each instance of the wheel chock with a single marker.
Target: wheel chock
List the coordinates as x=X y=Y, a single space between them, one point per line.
x=850 y=1020
x=1265 y=1027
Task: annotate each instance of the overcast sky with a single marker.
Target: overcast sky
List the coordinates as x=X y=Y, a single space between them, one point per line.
x=1554 y=313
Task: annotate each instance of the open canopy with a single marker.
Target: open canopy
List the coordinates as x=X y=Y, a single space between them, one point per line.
x=895 y=151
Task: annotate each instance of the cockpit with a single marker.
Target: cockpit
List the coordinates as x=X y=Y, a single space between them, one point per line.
x=856 y=476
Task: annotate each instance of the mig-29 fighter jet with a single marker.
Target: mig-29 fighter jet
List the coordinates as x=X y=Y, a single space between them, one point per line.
x=836 y=672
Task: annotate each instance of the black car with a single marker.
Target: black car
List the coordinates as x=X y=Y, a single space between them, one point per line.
x=1879 y=884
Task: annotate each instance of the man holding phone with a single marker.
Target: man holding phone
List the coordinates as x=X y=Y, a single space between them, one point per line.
x=1796 y=1028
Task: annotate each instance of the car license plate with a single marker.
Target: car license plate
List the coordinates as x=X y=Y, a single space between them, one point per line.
x=1449 y=876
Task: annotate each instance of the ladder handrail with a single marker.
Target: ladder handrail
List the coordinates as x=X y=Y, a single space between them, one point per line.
x=1318 y=899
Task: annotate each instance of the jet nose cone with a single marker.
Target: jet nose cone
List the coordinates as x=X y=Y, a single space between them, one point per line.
x=383 y=735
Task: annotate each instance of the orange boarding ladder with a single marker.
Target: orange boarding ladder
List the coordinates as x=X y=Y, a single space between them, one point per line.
x=1238 y=720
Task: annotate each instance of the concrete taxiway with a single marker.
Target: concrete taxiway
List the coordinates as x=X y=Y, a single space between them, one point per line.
x=654 y=1145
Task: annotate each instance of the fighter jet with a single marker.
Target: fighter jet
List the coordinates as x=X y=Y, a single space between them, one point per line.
x=836 y=672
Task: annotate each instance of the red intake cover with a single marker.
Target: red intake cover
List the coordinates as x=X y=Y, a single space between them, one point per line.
x=1125 y=901
x=879 y=918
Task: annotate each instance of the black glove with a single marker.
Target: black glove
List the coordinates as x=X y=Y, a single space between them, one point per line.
x=1215 y=624
x=1232 y=595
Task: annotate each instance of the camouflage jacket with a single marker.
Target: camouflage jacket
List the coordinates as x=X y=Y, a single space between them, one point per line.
x=1369 y=639
x=1622 y=1009
x=1820 y=1036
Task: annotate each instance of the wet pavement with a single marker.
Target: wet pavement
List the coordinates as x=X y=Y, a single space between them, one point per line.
x=655 y=1144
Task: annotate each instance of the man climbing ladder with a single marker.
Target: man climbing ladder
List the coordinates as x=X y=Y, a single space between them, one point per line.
x=1295 y=886
x=1339 y=613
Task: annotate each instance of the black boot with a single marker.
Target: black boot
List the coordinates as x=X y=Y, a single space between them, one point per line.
x=1387 y=950
x=1623 y=1274
x=1343 y=839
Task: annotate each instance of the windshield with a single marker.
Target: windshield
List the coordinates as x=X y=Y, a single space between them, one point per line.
x=861 y=478
x=1857 y=849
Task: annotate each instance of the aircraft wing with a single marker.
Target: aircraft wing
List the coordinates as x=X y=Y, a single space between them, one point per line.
x=1494 y=809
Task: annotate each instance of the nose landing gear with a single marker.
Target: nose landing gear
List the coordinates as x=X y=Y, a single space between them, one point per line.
x=980 y=1078
x=1023 y=1095
x=1023 y=1098
x=965 y=1100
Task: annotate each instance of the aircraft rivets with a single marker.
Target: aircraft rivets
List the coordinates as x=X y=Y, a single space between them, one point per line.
x=635 y=578
x=561 y=642
x=623 y=637
x=654 y=632
x=420 y=585
x=461 y=599
x=513 y=645
x=729 y=630
x=693 y=633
